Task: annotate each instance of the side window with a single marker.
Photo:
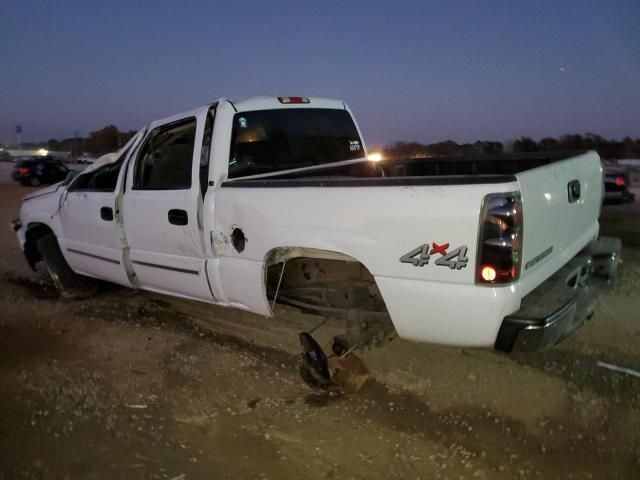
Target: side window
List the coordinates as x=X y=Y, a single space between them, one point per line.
x=206 y=152
x=103 y=179
x=165 y=159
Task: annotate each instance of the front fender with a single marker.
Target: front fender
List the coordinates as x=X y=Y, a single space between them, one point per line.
x=43 y=209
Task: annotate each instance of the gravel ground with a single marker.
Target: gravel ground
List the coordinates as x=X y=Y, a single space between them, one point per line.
x=135 y=385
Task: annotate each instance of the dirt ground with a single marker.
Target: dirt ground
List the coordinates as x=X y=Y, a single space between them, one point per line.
x=135 y=385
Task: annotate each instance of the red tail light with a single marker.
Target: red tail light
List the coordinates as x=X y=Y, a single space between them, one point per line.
x=620 y=181
x=500 y=239
x=23 y=170
x=293 y=99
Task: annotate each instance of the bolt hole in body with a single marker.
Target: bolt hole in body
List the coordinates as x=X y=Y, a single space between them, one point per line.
x=238 y=239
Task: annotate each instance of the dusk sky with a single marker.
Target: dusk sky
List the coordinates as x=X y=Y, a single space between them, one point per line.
x=424 y=71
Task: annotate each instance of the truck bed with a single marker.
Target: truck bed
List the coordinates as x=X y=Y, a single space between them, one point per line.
x=455 y=170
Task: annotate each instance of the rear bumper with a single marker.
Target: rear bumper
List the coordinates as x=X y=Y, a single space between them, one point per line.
x=563 y=302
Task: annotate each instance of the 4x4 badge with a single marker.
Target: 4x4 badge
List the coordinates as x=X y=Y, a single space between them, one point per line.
x=420 y=256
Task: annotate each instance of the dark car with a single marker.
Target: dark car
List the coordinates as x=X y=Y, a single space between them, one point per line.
x=616 y=185
x=39 y=170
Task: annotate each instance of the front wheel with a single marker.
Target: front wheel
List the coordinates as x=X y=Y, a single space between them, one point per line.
x=68 y=283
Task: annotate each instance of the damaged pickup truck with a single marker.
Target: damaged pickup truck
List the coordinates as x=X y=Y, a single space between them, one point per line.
x=244 y=204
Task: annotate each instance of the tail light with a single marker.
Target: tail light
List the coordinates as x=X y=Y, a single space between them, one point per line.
x=500 y=239
x=619 y=181
x=293 y=99
x=23 y=170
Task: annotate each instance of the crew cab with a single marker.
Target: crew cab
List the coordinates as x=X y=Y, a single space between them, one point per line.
x=244 y=204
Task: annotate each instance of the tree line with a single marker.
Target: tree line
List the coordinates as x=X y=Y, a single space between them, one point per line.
x=106 y=140
x=607 y=148
x=110 y=139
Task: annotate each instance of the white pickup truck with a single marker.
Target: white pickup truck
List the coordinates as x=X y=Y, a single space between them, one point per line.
x=243 y=204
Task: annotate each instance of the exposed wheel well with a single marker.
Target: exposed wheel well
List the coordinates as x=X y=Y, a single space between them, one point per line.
x=34 y=232
x=329 y=284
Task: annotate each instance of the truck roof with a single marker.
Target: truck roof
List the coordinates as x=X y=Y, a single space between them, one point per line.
x=256 y=103
x=266 y=103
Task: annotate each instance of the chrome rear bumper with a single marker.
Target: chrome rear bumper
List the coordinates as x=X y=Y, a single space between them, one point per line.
x=564 y=301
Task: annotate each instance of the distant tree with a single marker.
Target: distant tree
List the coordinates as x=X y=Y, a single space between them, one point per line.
x=495 y=147
x=478 y=146
x=548 y=144
x=405 y=150
x=608 y=149
x=53 y=144
x=487 y=147
x=592 y=141
x=572 y=142
x=103 y=141
x=525 y=144
x=628 y=148
x=446 y=148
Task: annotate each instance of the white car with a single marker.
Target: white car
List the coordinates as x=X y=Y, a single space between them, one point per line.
x=273 y=199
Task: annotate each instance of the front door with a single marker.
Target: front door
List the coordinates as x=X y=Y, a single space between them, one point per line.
x=160 y=211
x=91 y=237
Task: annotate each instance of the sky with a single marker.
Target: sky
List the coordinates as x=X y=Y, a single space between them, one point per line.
x=422 y=71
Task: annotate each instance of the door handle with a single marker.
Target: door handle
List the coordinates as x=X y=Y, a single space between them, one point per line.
x=106 y=213
x=178 y=217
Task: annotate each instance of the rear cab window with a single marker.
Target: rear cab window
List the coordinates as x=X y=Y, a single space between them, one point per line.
x=267 y=141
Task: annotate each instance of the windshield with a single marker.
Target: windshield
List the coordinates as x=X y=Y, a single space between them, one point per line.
x=268 y=141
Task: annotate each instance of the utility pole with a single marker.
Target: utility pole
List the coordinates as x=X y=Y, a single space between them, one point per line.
x=18 y=132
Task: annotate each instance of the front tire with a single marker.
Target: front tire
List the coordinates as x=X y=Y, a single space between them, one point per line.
x=69 y=284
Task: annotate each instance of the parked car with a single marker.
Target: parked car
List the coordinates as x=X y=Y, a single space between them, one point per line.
x=5 y=157
x=39 y=170
x=244 y=204
x=616 y=184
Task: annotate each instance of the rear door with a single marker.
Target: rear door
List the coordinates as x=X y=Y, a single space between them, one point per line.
x=161 y=208
x=561 y=204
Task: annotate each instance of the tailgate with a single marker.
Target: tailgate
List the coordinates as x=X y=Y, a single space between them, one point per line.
x=558 y=219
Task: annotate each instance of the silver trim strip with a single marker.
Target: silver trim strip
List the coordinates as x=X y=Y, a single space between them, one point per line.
x=97 y=257
x=166 y=267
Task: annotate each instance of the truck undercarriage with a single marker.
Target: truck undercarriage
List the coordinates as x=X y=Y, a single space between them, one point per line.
x=332 y=288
